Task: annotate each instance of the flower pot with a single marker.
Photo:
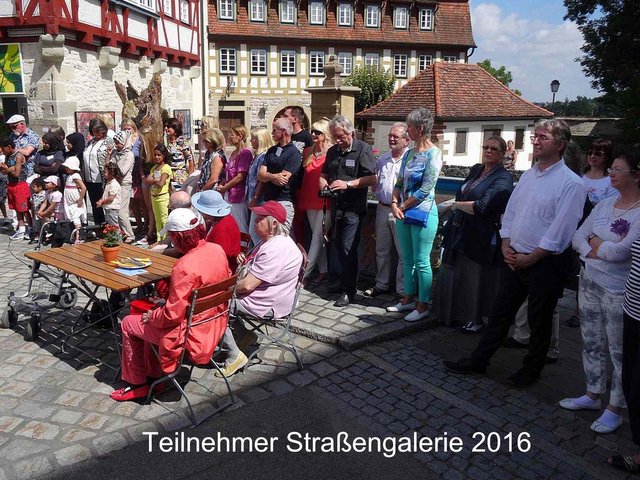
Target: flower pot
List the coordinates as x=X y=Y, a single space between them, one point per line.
x=110 y=253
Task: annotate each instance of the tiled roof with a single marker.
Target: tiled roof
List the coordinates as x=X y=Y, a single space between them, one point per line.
x=452 y=26
x=454 y=91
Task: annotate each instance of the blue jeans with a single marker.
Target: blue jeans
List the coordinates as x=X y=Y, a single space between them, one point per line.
x=415 y=245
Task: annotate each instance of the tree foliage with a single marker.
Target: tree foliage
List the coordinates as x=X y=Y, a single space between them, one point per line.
x=501 y=74
x=612 y=53
x=375 y=84
x=583 y=107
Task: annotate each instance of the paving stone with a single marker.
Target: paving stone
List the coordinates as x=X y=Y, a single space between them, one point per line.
x=20 y=448
x=93 y=421
x=34 y=410
x=66 y=416
x=280 y=387
x=255 y=394
x=32 y=468
x=301 y=378
x=108 y=443
x=21 y=359
x=9 y=423
x=39 y=430
x=72 y=454
x=323 y=368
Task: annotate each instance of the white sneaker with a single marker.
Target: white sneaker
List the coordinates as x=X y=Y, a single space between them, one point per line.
x=19 y=235
x=580 y=403
x=400 y=307
x=415 y=315
x=142 y=242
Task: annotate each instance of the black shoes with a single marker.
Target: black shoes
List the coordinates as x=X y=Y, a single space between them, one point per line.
x=464 y=366
x=343 y=301
x=374 y=292
x=513 y=343
x=521 y=379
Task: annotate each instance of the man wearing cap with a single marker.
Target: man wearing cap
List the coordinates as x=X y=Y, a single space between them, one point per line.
x=267 y=279
x=282 y=162
x=222 y=228
x=26 y=140
x=179 y=199
x=348 y=171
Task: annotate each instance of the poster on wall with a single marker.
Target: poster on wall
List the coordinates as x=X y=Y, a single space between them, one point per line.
x=11 y=81
x=184 y=117
x=84 y=117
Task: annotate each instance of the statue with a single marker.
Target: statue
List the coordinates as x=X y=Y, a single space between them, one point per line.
x=144 y=107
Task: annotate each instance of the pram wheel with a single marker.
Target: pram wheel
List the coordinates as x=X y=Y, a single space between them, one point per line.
x=33 y=327
x=68 y=299
x=9 y=318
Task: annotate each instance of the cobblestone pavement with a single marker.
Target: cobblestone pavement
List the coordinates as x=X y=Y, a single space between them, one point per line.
x=55 y=410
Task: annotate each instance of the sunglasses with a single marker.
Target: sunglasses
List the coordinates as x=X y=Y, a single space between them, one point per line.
x=316 y=132
x=493 y=149
x=596 y=153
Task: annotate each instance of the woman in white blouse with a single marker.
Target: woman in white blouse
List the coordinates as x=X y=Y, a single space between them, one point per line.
x=604 y=243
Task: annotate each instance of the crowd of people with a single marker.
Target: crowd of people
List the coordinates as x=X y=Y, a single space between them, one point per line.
x=507 y=252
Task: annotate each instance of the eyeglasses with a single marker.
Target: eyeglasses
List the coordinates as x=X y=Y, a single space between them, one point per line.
x=316 y=132
x=540 y=138
x=394 y=137
x=493 y=149
x=620 y=170
x=595 y=153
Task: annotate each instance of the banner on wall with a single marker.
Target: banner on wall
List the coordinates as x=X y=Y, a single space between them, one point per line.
x=11 y=81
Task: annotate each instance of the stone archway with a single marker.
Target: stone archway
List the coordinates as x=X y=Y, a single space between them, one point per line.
x=279 y=111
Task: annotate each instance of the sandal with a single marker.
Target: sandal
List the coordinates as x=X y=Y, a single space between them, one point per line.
x=626 y=463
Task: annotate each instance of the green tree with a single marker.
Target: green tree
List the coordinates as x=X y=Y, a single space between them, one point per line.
x=610 y=31
x=501 y=74
x=375 y=84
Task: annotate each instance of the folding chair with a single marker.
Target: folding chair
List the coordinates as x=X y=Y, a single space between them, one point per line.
x=245 y=242
x=202 y=299
x=277 y=331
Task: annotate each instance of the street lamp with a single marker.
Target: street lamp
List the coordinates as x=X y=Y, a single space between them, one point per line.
x=555 y=85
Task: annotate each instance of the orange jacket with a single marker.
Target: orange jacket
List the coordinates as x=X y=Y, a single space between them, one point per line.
x=206 y=264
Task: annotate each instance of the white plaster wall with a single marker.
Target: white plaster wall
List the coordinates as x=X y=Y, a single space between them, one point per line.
x=55 y=91
x=8 y=8
x=89 y=12
x=138 y=26
x=474 y=140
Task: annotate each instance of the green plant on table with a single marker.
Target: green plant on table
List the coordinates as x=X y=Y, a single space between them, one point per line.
x=112 y=236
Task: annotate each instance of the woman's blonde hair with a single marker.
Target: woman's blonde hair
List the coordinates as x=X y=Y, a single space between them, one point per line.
x=209 y=122
x=216 y=137
x=107 y=119
x=321 y=125
x=243 y=133
x=127 y=122
x=264 y=139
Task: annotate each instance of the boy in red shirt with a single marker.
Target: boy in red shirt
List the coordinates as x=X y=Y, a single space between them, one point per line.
x=18 y=192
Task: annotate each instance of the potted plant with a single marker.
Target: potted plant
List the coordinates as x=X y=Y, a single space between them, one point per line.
x=111 y=246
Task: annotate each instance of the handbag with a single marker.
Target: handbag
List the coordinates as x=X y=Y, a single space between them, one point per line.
x=417 y=217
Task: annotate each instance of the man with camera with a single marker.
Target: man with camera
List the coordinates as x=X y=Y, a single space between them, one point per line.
x=347 y=172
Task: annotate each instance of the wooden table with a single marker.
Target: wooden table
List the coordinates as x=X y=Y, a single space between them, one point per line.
x=84 y=261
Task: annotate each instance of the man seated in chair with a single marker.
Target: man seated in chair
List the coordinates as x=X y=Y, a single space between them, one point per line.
x=201 y=264
x=267 y=279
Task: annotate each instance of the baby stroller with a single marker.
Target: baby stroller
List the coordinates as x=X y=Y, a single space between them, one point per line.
x=47 y=288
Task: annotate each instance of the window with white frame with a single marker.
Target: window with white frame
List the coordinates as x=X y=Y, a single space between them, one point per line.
x=400 y=65
x=258 y=62
x=287 y=11
x=227 y=60
x=372 y=16
x=372 y=60
x=226 y=9
x=426 y=19
x=147 y=4
x=345 y=14
x=184 y=11
x=288 y=62
x=345 y=59
x=460 y=142
x=257 y=10
x=401 y=17
x=316 y=64
x=450 y=59
x=316 y=13
x=167 y=7
x=424 y=61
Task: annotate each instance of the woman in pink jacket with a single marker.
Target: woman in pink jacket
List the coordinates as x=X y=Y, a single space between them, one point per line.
x=203 y=263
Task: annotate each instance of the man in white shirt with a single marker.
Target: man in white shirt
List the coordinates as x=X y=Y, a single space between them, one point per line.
x=541 y=217
x=387 y=170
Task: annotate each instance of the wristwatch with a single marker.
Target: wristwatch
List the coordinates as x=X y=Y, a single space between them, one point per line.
x=349 y=184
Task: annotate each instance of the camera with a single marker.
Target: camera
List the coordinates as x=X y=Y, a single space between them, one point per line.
x=327 y=193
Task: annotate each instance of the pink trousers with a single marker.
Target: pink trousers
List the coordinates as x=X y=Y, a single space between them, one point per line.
x=138 y=360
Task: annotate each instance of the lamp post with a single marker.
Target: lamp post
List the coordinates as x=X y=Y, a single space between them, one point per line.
x=555 y=85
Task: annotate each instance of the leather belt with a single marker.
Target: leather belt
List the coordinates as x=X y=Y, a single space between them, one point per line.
x=159 y=194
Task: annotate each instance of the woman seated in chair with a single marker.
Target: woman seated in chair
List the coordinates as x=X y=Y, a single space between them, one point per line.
x=267 y=279
x=203 y=263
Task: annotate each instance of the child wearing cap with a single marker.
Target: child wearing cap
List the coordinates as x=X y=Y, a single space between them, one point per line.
x=74 y=192
x=38 y=198
x=53 y=206
x=18 y=191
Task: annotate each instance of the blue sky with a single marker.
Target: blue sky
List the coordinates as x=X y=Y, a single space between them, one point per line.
x=532 y=40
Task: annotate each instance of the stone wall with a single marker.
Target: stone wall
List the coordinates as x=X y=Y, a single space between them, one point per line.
x=262 y=109
x=57 y=89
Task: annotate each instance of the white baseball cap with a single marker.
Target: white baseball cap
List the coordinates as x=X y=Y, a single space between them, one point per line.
x=72 y=163
x=52 y=179
x=15 y=119
x=180 y=220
